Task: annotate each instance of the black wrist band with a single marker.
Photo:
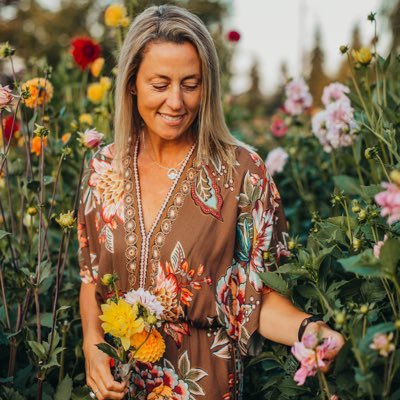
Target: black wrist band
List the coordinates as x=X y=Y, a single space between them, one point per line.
x=305 y=322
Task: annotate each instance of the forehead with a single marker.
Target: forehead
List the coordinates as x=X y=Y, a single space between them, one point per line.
x=170 y=59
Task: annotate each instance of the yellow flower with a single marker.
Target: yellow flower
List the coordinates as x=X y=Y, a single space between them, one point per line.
x=106 y=83
x=65 y=138
x=160 y=392
x=41 y=91
x=107 y=279
x=66 y=220
x=115 y=16
x=121 y=321
x=395 y=177
x=95 y=92
x=86 y=119
x=149 y=348
x=31 y=211
x=362 y=56
x=97 y=66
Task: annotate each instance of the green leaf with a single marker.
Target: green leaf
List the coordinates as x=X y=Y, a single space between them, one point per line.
x=364 y=264
x=108 y=349
x=275 y=282
x=64 y=389
x=4 y=233
x=348 y=184
x=390 y=255
x=38 y=349
x=371 y=190
x=387 y=62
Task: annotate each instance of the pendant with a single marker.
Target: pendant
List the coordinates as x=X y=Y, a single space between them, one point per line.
x=172 y=174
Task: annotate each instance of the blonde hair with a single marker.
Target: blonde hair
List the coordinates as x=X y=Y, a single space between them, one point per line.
x=172 y=24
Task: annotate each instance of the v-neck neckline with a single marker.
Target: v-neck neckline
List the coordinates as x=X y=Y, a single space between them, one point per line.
x=146 y=236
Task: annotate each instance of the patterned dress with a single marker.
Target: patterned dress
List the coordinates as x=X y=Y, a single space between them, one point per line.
x=201 y=259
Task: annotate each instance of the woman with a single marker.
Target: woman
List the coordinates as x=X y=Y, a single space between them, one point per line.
x=179 y=207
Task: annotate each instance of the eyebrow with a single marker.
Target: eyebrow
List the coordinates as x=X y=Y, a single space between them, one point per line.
x=193 y=76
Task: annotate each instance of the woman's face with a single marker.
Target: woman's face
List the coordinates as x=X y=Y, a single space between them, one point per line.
x=168 y=88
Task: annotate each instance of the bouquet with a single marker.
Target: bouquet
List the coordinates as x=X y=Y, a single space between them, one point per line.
x=130 y=322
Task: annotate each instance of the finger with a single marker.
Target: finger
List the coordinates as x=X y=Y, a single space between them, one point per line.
x=108 y=380
x=104 y=393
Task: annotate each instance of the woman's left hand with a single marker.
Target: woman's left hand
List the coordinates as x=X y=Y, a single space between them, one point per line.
x=323 y=331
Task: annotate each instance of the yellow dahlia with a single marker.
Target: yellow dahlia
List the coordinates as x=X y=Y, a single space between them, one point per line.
x=149 y=348
x=41 y=91
x=121 y=320
x=96 y=92
x=115 y=16
x=86 y=119
x=363 y=56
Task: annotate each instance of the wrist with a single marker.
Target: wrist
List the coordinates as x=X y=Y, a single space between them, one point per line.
x=308 y=323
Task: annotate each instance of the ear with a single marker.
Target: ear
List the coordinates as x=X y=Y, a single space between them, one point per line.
x=132 y=90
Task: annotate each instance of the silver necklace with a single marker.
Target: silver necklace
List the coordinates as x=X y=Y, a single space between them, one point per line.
x=172 y=172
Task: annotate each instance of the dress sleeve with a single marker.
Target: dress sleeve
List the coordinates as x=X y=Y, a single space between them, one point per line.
x=87 y=233
x=261 y=240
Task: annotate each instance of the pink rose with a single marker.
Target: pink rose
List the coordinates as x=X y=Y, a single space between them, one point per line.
x=6 y=96
x=91 y=138
x=389 y=201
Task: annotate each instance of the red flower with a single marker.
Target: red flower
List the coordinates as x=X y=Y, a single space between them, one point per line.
x=233 y=36
x=85 y=51
x=278 y=127
x=8 y=125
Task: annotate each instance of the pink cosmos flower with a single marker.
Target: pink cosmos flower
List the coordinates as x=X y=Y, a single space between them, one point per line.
x=312 y=359
x=389 y=201
x=278 y=127
x=6 y=96
x=334 y=397
x=91 y=138
x=298 y=97
x=276 y=160
x=378 y=246
x=383 y=343
x=335 y=92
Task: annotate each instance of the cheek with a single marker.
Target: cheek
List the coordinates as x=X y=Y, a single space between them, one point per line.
x=193 y=102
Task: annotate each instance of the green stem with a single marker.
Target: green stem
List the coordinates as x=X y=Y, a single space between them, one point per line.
x=360 y=178
x=325 y=387
x=349 y=233
x=383 y=167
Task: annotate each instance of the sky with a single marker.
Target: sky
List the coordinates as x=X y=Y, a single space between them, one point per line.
x=273 y=31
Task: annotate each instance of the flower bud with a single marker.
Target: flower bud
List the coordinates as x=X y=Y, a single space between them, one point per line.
x=364 y=309
x=66 y=220
x=371 y=153
x=91 y=138
x=292 y=245
x=31 y=211
x=40 y=130
x=355 y=207
x=107 y=279
x=362 y=215
x=73 y=125
x=344 y=49
x=371 y=16
x=340 y=318
x=6 y=50
x=395 y=177
x=397 y=324
x=356 y=244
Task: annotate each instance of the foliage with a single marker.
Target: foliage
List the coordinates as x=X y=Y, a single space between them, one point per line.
x=347 y=267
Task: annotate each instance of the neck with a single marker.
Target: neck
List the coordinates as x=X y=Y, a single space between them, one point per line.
x=166 y=152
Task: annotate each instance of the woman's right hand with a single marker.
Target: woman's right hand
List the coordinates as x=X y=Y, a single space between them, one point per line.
x=98 y=374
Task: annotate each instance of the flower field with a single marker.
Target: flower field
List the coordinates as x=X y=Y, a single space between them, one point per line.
x=337 y=167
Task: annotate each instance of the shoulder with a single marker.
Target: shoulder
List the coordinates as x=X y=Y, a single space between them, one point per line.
x=248 y=161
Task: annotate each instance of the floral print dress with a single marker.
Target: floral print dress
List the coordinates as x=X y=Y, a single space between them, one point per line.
x=201 y=259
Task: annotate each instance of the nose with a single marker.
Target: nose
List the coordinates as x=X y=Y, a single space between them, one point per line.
x=175 y=99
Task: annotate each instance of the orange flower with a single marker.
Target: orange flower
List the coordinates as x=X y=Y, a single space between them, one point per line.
x=160 y=392
x=35 y=144
x=41 y=91
x=149 y=347
x=65 y=138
